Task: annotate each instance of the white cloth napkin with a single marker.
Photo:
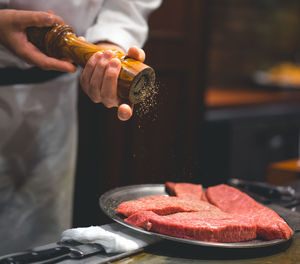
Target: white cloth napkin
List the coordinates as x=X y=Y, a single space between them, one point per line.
x=114 y=238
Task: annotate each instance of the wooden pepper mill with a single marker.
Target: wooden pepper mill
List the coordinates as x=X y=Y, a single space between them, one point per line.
x=135 y=78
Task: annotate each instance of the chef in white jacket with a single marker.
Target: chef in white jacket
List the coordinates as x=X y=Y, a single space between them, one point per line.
x=38 y=107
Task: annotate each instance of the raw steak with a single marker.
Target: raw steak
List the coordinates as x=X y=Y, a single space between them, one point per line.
x=211 y=225
x=269 y=224
x=163 y=205
x=185 y=190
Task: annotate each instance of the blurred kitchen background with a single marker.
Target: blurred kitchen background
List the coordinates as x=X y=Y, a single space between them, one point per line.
x=228 y=104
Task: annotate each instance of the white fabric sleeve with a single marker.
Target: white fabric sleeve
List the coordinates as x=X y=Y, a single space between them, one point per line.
x=4 y=3
x=123 y=22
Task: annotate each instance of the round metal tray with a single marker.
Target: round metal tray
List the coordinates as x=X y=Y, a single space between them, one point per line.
x=110 y=200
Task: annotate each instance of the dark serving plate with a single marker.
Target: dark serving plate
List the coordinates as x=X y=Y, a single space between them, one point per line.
x=110 y=200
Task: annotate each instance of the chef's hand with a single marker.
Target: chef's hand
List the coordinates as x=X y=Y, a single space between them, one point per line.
x=13 y=24
x=99 y=78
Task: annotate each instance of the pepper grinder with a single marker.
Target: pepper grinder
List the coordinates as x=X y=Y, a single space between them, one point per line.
x=135 y=79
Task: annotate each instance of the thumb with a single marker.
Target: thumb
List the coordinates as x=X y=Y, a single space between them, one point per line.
x=136 y=53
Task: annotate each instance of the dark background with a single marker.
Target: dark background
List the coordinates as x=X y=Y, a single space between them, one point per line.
x=210 y=122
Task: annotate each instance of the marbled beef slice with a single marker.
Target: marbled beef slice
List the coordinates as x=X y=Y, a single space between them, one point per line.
x=211 y=226
x=163 y=205
x=269 y=224
x=185 y=190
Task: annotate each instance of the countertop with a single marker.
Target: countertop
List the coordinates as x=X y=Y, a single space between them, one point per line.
x=168 y=252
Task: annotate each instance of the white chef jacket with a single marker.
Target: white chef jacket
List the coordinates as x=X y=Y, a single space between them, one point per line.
x=38 y=123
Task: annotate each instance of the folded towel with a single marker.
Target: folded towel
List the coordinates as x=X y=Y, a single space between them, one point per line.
x=114 y=238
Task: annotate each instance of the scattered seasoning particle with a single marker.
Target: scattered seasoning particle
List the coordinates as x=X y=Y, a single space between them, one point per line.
x=148 y=102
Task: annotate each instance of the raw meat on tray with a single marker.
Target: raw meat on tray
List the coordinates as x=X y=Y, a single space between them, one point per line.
x=185 y=190
x=227 y=215
x=269 y=224
x=211 y=226
x=163 y=205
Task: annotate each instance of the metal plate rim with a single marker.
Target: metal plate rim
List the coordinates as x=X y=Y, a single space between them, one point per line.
x=111 y=193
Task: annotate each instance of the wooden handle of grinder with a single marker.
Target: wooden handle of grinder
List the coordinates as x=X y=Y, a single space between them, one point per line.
x=135 y=78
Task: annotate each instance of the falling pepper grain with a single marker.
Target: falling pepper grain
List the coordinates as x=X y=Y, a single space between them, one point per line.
x=148 y=103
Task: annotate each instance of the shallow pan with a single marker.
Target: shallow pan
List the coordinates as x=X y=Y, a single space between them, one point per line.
x=110 y=200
